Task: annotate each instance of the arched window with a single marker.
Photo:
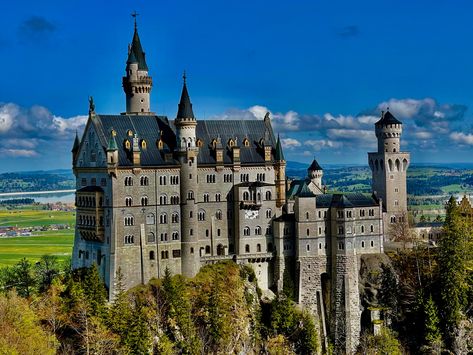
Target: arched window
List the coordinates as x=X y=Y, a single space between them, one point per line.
x=307 y=215
x=128 y=181
x=129 y=239
x=371 y=228
x=268 y=195
x=129 y=220
x=207 y=249
x=270 y=247
x=144 y=181
x=246 y=196
x=175 y=235
x=372 y=244
x=220 y=250
x=218 y=214
x=175 y=217
x=151 y=255
x=163 y=200
x=163 y=218
x=190 y=195
x=151 y=237
x=362 y=229
x=246 y=231
x=247 y=248
x=258 y=248
x=201 y=215
x=144 y=201
x=164 y=237
x=258 y=230
x=269 y=213
x=128 y=201
x=218 y=197
x=362 y=243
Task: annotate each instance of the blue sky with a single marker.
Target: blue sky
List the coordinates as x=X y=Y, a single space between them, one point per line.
x=324 y=69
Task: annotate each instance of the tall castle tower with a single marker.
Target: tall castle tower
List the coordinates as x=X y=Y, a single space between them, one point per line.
x=389 y=166
x=137 y=83
x=187 y=152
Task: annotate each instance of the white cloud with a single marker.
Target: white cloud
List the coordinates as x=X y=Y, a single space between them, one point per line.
x=319 y=144
x=290 y=143
x=423 y=135
x=462 y=138
x=20 y=153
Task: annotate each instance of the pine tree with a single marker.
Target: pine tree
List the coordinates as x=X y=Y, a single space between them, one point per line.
x=95 y=292
x=25 y=281
x=452 y=273
x=432 y=330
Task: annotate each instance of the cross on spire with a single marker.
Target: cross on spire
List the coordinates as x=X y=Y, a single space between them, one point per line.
x=184 y=77
x=134 y=14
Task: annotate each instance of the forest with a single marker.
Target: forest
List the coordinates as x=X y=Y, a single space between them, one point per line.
x=425 y=295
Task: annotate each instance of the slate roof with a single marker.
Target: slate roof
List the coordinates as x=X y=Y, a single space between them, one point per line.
x=314 y=166
x=136 y=54
x=387 y=118
x=151 y=128
x=279 y=152
x=76 y=145
x=185 y=106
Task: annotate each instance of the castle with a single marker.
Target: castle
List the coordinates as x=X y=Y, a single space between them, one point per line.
x=156 y=194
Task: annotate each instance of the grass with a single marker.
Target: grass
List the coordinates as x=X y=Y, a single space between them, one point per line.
x=31 y=218
x=455 y=188
x=57 y=243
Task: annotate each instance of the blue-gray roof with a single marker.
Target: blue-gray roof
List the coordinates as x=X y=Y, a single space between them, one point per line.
x=151 y=128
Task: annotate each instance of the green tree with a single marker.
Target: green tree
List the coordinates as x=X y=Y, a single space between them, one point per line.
x=24 y=278
x=94 y=290
x=46 y=269
x=432 y=335
x=452 y=273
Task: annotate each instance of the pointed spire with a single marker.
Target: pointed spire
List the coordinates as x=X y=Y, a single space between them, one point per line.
x=185 y=105
x=76 y=145
x=314 y=166
x=112 y=143
x=279 y=154
x=136 y=54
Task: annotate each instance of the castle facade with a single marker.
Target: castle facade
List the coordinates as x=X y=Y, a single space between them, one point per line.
x=156 y=194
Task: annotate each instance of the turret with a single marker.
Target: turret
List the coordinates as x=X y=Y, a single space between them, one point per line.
x=112 y=152
x=75 y=149
x=315 y=174
x=388 y=131
x=280 y=170
x=185 y=121
x=137 y=84
x=136 y=151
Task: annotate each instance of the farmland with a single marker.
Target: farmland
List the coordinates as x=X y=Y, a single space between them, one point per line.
x=45 y=238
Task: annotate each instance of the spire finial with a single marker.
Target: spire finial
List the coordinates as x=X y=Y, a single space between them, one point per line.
x=387 y=108
x=184 y=77
x=135 y=15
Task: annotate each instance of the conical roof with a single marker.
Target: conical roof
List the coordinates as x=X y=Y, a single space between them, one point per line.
x=185 y=106
x=387 y=118
x=314 y=166
x=279 y=153
x=136 y=54
x=112 y=143
x=76 y=145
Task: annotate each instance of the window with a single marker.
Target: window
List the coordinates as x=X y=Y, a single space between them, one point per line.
x=258 y=230
x=174 y=200
x=174 y=180
x=144 y=201
x=150 y=218
x=341 y=246
x=246 y=196
x=218 y=197
x=151 y=255
x=372 y=243
x=308 y=232
x=206 y=197
x=129 y=239
x=218 y=214
x=128 y=201
x=247 y=248
x=227 y=178
x=362 y=213
x=371 y=212
x=211 y=178
x=371 y=228
x=268 y=195
x=207 y=233
x=307 y=215
x=339 y=214
x=144 y=181
x=362 y=229
x=258 y=248
x=164 y=254
x=349 y=214
x=164 y=237
x=218 y=232
x=269 y=213
x=128 y=181
x=260 y=177
x=162 y=180
x=151 y=237
x=163 y=199
x=175 y=217
x=176 y=253
x=103 y=182
x=129 y=221
x=163 y=218
x=308 y=247
x=190 y=195
x=244 y=177
x=246 y=231
x=201 y=215
x=340 y=229
x=320 y=245
x=362 y=243
x=175 y=235
x=207 y=249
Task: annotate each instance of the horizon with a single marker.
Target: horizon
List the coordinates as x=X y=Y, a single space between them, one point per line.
x=324 y=78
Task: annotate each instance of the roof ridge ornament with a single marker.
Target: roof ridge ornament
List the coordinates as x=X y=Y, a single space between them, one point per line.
x=134 y=14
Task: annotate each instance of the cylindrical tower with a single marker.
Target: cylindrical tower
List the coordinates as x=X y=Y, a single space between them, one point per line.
x=388 y=131
x=187 y=152
x=315 y=174
x=137 y=84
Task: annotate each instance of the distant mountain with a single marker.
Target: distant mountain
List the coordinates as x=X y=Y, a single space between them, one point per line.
x=60 y=179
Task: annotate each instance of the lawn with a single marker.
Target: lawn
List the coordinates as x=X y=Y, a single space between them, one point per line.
x=31 y=217
x=57 y=243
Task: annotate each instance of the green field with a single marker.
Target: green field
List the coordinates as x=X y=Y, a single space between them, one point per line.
x=52 y=242
x=33 y=217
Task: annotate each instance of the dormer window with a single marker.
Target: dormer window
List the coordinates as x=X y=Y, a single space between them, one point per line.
x=231 y=143
x=200 y=143
x=127 y=144
x=129 y=133
x=143 y=144
x=246 y=142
